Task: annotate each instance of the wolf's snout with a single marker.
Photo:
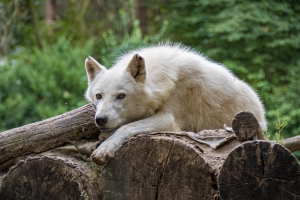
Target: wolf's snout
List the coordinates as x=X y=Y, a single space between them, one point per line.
x=101 y=121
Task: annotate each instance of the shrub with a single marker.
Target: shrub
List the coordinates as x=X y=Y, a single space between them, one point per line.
x=38 y=84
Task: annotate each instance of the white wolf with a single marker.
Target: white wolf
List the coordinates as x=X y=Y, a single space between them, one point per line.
x=164 y=88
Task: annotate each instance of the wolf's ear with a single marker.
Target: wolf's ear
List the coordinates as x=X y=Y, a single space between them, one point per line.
x=137 y=68
x=92 y=68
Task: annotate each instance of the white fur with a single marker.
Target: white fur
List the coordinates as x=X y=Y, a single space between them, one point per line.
x=182 y=90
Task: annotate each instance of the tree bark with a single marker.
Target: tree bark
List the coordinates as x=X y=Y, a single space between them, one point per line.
x=48 y=134
x=6 y=24
x=50 y=15
x=141 y=14
x=51 y=177
x=259 y=170
x=35 y=21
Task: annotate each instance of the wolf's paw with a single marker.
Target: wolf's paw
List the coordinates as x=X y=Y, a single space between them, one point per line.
x=104 y=152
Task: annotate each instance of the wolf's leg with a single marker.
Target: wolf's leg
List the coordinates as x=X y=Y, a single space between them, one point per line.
x=105 y=134
x=161 y=121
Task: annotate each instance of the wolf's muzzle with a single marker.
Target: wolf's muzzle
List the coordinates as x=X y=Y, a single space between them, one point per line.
x=101 y=121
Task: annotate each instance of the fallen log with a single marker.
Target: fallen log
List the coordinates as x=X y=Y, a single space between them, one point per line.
x=159 y=166
x=51 y=177
x=260 y=170
x=150 y=166
x=292 y=143
x=48 y=134
x=165 y=166
x=246 y=127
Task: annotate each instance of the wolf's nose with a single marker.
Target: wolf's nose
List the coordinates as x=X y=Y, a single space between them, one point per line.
x=101 y=121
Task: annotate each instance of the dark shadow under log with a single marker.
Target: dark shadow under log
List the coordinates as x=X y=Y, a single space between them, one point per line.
x=260 y=170
x=51 y=177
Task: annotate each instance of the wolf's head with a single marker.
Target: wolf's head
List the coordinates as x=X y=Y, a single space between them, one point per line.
x=119 y=94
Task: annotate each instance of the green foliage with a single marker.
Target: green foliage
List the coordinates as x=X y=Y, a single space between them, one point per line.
x=42 y=83
x=258 y=40
x=39 y=84
x=111 y=48
x=279 y=127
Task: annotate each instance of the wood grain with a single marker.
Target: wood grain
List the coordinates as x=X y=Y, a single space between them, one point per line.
x=260 y=170
x=48 y=134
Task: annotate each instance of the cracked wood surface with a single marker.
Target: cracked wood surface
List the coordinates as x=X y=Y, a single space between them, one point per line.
x=260 y=170
x=48 y=134
x=51 y=177
x=246 y=127
x=163 y=166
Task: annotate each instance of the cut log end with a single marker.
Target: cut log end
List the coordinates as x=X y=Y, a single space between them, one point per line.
x=158 y=167
x=259 y=170
x=44 y=177
x=246 y=126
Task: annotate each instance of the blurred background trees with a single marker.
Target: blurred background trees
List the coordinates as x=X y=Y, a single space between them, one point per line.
x=44 y=44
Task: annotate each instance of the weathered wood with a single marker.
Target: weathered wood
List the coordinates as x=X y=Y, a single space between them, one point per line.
x=163 y=166
x=44 y=135
x=160 y=166
x=51 y=177
x=292 y=144
x=246 y=126
x=260 y=170
x=79 y=149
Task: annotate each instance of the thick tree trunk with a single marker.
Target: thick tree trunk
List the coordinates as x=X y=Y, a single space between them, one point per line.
x=51 y=177
x=141 y=14
x=164 y=166
x=35 y=23
x=50 y=15
x=261 y=171
x=48 y=134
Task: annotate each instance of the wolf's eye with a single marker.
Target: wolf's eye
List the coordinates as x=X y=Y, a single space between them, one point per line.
x=99 y=96
x=121 y=96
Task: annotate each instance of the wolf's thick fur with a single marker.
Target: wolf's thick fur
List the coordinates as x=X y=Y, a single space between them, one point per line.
x=164 y=88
